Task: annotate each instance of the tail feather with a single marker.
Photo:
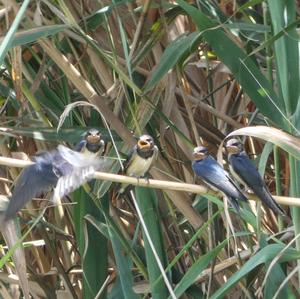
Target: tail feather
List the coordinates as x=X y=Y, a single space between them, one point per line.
x=34 y=180
x=267 y=199
x=242 y=197
x=234 y=203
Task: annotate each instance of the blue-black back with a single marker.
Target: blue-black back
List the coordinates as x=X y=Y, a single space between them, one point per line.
x=211 y=172
x=246 y=170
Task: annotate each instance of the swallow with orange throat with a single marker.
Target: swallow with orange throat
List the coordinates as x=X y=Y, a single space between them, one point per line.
x=141 y=159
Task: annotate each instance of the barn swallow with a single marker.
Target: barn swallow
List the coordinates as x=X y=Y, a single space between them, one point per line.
x=92 y=143
x=62 y=169
x=212 y=173
x=140 y=160
x=245 y=172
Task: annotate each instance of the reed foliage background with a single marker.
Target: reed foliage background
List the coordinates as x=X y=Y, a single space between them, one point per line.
x=187 y=73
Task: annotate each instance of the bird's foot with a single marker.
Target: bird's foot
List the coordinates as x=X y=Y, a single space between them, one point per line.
x=147 y=180
x=142 y=177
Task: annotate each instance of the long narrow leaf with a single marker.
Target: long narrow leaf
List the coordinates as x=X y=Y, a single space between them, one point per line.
x=241 y=66
x=196 y=269
x=263 y=256
x=31 y=35
x=283 y=13
x=8 y=39
x=286 y=141
x=147 y=202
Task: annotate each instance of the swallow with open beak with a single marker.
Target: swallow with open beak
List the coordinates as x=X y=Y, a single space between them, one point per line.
x=140 y=160
x=245 y=172
x=62 y=169
x=92 y=143
x=212 y=173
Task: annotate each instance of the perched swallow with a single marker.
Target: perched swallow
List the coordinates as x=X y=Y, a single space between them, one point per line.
x=212 y=173
x=92 y=143
x=141 y=158
x=62 y=169
x=245 y=172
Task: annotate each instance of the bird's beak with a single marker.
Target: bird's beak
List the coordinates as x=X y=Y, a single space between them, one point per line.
x=92 y=139
x=231 y=149
x=198 y=156
x=144 y=144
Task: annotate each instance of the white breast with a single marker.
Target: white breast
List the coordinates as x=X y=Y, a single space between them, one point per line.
x=139 y=166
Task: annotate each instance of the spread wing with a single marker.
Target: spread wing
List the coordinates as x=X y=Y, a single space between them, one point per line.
x=63 y=169
x=80 y=160
x=32 y=181
x=84 y=167
x=71 y=182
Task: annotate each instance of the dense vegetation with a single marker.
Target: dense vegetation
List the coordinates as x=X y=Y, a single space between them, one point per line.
x=188 y=73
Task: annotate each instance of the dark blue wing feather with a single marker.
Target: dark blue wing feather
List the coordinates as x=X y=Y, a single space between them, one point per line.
x=32 y=181
x=37 y=178
x=245 y=168
x=210 y=171
x=63 y=169
x=247 y=171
